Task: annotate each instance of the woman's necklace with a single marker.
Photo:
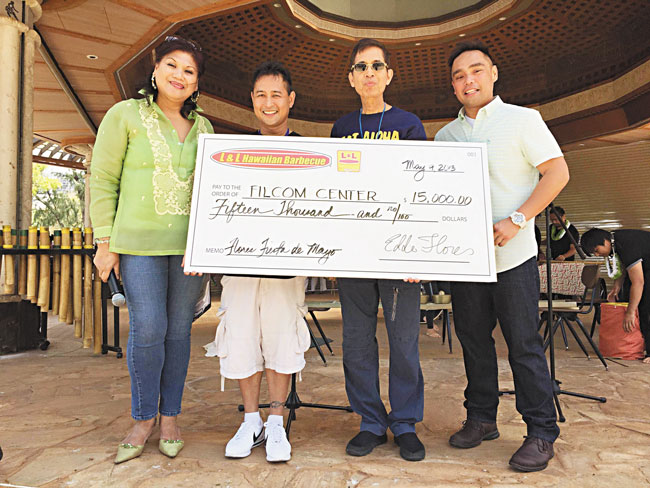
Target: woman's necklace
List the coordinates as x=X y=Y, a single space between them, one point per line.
x=381 y=119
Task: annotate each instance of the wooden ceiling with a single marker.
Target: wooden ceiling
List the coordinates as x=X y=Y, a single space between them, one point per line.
x=553 y=49
x=547 y=50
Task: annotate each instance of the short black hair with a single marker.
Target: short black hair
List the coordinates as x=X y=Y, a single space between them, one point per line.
x=472 y=45
x=592 y=238
x=365 y=43
x=560 y=211
x=273 y=68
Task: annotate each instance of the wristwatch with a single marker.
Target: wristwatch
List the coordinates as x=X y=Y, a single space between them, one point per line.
x=518 y=219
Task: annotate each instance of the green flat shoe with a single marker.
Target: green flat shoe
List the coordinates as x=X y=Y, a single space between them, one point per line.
x=170 y=447
x=126 y=452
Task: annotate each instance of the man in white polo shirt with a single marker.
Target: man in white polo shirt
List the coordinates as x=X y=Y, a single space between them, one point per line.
x=520 y=148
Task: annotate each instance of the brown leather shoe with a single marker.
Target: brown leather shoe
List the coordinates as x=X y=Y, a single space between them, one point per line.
x=473 y=433
x=533 y=455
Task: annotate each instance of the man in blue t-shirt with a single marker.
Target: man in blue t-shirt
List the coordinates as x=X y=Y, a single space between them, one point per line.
x=370 y=75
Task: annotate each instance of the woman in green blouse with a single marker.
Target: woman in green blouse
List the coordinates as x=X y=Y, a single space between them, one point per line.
x=141 y=186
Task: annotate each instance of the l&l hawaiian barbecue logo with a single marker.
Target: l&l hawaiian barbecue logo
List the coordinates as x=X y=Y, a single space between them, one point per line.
x=349 y=161
x=271 y=158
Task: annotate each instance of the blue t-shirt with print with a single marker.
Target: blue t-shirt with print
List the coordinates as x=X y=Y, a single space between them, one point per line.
x=397 y=124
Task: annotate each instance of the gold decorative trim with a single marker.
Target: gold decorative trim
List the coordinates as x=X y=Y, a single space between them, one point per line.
x=463 y=23
x=599 y=95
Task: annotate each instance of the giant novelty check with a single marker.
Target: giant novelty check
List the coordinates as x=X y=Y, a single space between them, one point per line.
x=301 y=206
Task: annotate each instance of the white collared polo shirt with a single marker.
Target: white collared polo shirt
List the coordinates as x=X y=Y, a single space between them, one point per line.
x=518 y=141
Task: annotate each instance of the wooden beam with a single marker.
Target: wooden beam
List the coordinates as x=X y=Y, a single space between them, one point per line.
x=58 y=162
x=154 y=14
x=46 y=131
x=79 y=35
x=82 y=68
x=59 y=90
x=68 y=141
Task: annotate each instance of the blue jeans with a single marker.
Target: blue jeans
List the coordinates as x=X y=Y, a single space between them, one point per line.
x=513 y=300
x=401 y=304
x=161 y=302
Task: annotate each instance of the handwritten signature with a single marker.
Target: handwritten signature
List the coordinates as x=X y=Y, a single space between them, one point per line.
x=428 y=244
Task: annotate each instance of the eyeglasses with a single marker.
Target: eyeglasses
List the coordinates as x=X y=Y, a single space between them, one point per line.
x=362 y=67
x=195 y=45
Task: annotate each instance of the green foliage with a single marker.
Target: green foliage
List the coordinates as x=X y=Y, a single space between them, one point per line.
x=57 y=197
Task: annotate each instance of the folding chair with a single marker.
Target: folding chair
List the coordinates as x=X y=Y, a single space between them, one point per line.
x=315 y=286
x=568 y=313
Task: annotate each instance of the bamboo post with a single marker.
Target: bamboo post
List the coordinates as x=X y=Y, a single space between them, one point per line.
x=97 y=312
x=22 y=263
x=14 y=243
x=56 y=270
x=10 y=270
x=44 y=282
x=88 y=290
x=65 y=276
x=69 y=315
x=77 y=276
x=32 y=265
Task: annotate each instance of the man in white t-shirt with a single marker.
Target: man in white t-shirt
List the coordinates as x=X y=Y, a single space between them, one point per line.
x=520 y=148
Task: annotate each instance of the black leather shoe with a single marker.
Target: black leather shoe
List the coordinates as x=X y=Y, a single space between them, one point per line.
x=364 y=442
x=473 y=433
x=410 y=447
x=533 y=455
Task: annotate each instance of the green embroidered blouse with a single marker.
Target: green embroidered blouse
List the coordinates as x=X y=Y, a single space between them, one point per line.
x=141 y=179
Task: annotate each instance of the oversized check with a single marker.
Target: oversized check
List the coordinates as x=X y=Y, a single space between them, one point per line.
x=302 y=206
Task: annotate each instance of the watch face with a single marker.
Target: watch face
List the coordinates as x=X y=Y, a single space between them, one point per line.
x=518 y=218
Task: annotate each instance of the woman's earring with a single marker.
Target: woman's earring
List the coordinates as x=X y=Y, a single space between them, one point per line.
x=153 y=81
x=195 y=96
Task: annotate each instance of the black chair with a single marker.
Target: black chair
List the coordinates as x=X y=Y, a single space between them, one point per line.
x=317 y=342
x=569 y=313
x=432 y=288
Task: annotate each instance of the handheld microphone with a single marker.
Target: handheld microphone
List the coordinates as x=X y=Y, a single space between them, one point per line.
x=117 y=297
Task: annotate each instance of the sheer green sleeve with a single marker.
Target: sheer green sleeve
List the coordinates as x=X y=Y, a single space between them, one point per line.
x=106 y=169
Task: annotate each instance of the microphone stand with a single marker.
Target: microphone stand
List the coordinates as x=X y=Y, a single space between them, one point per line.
x=556 y=383
x=549 y=287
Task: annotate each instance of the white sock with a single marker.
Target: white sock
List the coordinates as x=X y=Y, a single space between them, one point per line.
x=255 y=419
x=275 y=419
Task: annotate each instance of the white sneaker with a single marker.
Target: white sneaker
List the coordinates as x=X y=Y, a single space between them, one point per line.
x=277 y=445
x=244 y=441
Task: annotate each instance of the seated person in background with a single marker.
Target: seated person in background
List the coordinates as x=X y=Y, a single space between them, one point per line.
x=262 y=326
x=562 y=248
x=626 y=252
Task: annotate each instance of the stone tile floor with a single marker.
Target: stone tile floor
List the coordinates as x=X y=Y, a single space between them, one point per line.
x=63 y=412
